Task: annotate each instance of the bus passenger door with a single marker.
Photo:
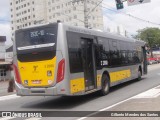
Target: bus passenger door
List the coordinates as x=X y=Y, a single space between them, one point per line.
x=144 y=54
x=88 y=59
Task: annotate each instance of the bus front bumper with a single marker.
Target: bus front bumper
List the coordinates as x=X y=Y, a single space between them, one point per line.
x=22 y=91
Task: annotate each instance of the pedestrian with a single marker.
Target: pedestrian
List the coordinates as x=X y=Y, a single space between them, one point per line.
x=11 y=85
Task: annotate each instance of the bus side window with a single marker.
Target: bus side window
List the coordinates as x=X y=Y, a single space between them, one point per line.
x=135 y=57
x=74 y=51
x=105 y=58
x=130 y=57
x=114 y=50
x=102 y=57
x=124 y=57
x=103 y=47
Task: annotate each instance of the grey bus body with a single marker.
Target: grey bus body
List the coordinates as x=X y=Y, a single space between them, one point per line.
x=89 y=55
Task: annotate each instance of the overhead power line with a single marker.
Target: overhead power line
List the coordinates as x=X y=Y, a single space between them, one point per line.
x=94 y=8
x=129 y=15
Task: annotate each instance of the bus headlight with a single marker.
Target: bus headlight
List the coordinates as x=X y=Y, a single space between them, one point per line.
x=50 y=82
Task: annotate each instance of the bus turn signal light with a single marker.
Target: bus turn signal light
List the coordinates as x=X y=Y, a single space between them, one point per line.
x=18 y=80
x=61 y=70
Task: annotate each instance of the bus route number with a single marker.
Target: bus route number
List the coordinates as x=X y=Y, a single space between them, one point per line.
x=49 y=66
x=37 y=33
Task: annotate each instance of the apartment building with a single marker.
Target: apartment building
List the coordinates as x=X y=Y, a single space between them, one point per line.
x=26 y=13
x=72 y=12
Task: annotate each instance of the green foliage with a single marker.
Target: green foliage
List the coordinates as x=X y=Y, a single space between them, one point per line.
x=150 y=35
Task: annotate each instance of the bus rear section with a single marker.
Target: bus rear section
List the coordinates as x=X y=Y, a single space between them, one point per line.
x=36 y=68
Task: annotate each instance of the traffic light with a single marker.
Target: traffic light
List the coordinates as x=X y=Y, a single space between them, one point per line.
x=119 y=4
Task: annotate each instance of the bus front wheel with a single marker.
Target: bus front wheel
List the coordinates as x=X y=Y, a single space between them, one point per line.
x=105 y=85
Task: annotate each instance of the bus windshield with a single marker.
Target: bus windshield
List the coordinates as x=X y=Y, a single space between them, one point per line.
x=28 y=39
x=39 y=40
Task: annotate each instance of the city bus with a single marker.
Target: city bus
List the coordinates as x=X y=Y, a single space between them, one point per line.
x=63 y=60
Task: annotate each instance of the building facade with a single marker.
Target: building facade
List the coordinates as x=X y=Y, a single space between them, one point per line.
x=9 y=55
x=26 y=13
x=72 y=12
x=2 y=48
x=5 y=63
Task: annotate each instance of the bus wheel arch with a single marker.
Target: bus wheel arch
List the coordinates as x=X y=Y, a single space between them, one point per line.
x=105 y=83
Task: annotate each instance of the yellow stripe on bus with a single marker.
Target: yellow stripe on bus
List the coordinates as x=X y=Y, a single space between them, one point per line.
x=77 y=85
x=99 y=80
x=119 y=75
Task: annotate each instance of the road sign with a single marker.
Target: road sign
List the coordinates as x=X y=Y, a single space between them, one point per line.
x=135 y=2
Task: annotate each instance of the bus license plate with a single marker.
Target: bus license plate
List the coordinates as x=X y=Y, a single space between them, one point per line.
x=36 y=81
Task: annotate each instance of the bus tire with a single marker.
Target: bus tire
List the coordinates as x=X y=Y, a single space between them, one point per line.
x=105 y=83
x=139 y=75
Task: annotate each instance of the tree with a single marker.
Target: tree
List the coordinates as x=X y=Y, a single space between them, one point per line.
x=151 y=36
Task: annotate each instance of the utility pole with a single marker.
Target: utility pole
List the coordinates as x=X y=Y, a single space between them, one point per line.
x=85 y=11
x=85 y=14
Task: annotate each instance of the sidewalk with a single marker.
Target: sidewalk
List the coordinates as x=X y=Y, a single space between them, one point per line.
x=148 y=101
x=4 y=88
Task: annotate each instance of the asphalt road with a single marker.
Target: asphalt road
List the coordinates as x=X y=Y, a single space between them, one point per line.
x=92 y=102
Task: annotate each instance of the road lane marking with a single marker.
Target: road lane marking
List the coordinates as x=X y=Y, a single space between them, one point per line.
x=7 y=118
x=109 y=107
x=153 y=93
x=9 y=97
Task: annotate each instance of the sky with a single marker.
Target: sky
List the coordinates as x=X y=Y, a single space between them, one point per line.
x=5 y=20
x=146 y=11
x=127 y=18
